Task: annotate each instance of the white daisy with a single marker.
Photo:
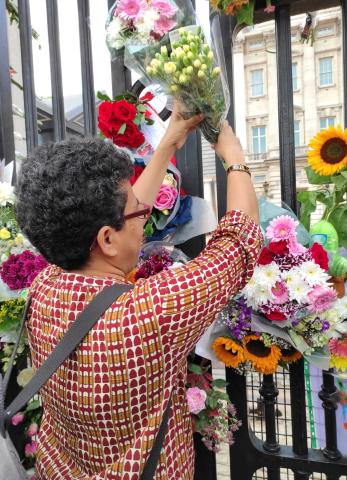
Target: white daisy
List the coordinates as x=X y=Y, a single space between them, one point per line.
x=267 y=275
x=298 y=290
x=113 y=31
x=313 y=274
x=290 y=276
x=341 y=306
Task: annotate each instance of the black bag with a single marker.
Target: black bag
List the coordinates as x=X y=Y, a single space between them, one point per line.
x=10 y=465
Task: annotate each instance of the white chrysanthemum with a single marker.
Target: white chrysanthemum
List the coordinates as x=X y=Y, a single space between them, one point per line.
x=146 y=23
x=249 y=289
x=341 y=306
x=6 y=194
x=267 y=275
x=113 y=37
x=256 y=294
x=313 y=274
x=298 y=290
x=290 y=276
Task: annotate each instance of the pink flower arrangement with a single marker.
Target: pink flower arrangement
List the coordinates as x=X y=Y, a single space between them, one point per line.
x=196 y=399
x=139 y=21
x=166 y=198
x=17 y=419
x=19 y=271
x=32 y=430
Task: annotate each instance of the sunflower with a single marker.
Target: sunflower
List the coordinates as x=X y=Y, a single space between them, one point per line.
x=290 y=355
x=328 y=153
x=340 y=363
x=228 y=351
x=264 y=359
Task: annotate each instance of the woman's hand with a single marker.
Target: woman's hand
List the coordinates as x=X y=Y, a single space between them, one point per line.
x=228 y=146
x=178 y=129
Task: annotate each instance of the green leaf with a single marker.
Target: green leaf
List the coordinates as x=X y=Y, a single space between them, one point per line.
x=149 y=121
x=138 y=119
x=223 y=396
x=193 y=367
x=122 y=129
x=142 y=108
x=308 y=202
x=326 y=198
x=340 y=181
x=338 y=218
x=33 y=406
x=219 y=383
x=316 y=179
x=246 y=14
x=103 y=96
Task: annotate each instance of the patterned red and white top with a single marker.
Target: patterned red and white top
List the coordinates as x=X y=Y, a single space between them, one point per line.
x=104 y=405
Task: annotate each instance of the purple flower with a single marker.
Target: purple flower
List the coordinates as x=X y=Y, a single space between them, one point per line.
x=19 y=271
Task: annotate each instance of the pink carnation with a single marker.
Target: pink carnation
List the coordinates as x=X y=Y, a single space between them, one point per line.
x=196 y=399
x=280 y=293
x=163 y=25
x=282 y=228
x=166 y=198
x=17 y=419
x=30 y=449
x=320 y=299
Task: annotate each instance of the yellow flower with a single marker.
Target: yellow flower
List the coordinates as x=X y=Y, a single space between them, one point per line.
x=228 y=351
x=19 y=239
x=201 y=74
x=170 y=67
x=264 y=359
x=340 y=363
x=4 y=234
x=25 y=376
x=328 y=151
x=216 y=71
x=197 y=64
x=165 y=212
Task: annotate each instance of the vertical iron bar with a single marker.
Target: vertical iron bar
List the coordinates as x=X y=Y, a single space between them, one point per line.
x=285 y=105
x=55 y=64
x=298 y=408
x=7 y=148
x=329 y=397
x=227 y=26
x=273 y=473
x=269 y=392
x=28 y=74
x=121 y=76
x=344 y=52
x=89 y=112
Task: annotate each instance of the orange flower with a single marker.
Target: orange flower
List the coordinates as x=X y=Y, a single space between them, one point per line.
x=234 y=6
x=290 y=355
x=264 y=359
x=228 y=351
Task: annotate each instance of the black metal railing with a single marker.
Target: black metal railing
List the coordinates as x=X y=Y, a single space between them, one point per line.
x=254 y=455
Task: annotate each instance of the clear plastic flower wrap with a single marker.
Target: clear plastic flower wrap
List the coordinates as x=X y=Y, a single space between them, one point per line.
x=185 y=66
x=141 y=22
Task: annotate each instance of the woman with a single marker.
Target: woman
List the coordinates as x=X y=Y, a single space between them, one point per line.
x=103 y=407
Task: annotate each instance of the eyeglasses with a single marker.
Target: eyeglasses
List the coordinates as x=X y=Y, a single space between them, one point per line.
x=144 y=212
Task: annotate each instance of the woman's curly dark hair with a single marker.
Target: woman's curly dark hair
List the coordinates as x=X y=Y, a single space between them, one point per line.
x=66 y=192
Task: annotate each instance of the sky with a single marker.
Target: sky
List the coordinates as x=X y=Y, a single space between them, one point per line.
x=70 y=47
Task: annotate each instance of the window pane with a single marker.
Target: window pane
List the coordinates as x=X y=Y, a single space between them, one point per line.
x=257 y=85
x=297 y=133
x=295 y=76
x=259 y=140
x=326 y=122
x=326 y=71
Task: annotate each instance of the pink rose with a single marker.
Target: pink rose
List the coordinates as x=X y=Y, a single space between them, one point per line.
x=196 y=399
x=166 y=198
x=320 y=299
x=32 y=430
x=17 y=419
x=30 y=449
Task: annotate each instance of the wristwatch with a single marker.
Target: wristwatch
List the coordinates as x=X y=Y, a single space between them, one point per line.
x=238 y=167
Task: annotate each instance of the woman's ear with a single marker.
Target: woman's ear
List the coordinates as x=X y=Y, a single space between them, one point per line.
x=106 y=240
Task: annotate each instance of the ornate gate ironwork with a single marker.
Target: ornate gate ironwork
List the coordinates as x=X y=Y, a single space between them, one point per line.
x=249 y=452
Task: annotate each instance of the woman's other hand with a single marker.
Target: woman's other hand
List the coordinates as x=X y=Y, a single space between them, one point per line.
x=179 y=128
x=228 y=146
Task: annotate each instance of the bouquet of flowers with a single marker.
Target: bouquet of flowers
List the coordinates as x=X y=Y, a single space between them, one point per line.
x=245 y=350
x=186 y=67
x=120 y=119
x=139 y=22
x=214 y=416
x=243 y=10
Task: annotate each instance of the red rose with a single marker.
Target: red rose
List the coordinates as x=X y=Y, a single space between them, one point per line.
x=265 y=257
x=124 y=111
x=106 y=119
x=279 y=248
x=275 y=315
x=131 y=138
x=319 y=256
x=137 y=172
x=147 y=97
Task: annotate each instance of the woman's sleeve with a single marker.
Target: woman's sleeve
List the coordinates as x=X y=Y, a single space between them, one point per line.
x=185 y=300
